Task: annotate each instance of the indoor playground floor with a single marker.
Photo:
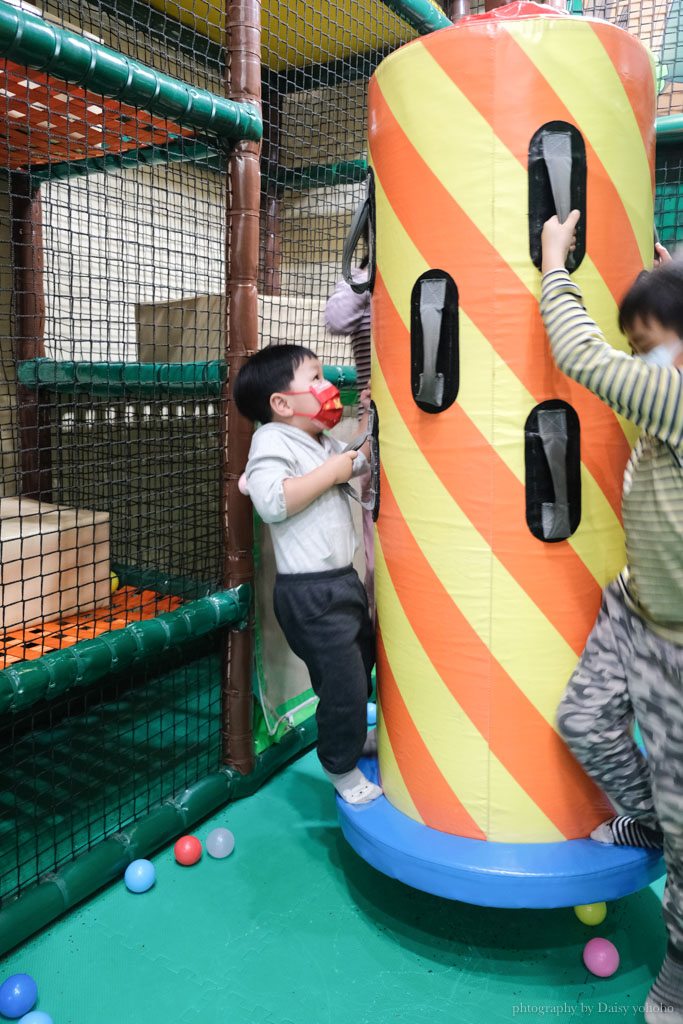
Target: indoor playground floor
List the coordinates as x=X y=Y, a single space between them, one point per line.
x=294 y=928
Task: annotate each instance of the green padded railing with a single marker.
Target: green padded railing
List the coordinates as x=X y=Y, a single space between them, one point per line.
x=111 y=379
x=670 y=129
x=421 y=15
x=26 y=682
x=162 y=583
x=35 y=43
x=114 y=379
x=177 y=151
x=344 y=172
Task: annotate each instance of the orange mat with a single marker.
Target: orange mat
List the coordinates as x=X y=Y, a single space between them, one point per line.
x=26 y=643
x=49 y=121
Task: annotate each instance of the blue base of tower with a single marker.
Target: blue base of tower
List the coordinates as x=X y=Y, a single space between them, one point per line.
x=537 y=875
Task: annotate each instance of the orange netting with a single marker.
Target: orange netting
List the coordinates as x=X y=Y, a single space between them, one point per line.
x=51 y=122
x=25 y=643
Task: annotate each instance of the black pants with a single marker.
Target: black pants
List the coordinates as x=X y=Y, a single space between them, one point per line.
x=325 y=618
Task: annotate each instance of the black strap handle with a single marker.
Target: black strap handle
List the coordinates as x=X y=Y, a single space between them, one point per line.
x=363 y=222
x=552 y=429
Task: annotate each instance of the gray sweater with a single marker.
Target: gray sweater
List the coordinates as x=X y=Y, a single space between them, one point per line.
x=322 y=535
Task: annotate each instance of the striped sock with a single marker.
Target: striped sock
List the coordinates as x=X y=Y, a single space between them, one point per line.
x=626 y=831
x=665 y=999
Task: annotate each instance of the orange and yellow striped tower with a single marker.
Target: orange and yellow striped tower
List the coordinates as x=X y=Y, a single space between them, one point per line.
x=499 y=522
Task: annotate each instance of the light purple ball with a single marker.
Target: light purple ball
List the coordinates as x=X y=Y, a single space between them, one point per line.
x=601 y=957
x=220 y=843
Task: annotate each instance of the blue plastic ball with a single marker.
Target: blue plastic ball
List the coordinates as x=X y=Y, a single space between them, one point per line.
x=140 y=875
x=18 y=995
x=372 y=713
x=37 y=1017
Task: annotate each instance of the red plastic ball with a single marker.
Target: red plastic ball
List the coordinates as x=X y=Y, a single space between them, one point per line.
x=187 y=850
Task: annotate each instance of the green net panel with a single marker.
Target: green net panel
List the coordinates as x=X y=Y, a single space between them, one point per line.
x=124 y=263
x=313 y=178
x=112 y=302
x=112 y=284
x=669 y=194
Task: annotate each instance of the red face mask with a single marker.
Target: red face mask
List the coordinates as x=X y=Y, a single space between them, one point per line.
x=331 y=409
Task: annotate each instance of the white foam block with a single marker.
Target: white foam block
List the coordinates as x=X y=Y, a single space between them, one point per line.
x=54 y=561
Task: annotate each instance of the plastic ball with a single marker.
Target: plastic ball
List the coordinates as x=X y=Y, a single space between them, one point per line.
x=187 y=850
x=372 y=713
x=115 y=581
x=601 y=957
x=140 y=875
x=36 y=1017
x=591 y=913
x=18 y=995
x=220 y=843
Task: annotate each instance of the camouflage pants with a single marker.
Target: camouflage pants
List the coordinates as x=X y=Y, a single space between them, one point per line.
x=626 y=669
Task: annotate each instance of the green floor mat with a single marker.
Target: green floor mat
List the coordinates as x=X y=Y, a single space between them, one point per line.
x=294 y=928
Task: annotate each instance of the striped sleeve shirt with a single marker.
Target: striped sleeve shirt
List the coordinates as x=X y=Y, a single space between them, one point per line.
x=649 y=396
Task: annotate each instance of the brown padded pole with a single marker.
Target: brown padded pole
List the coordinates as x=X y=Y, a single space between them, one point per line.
x=33 y=418
x=243 y=83
x=457 y=9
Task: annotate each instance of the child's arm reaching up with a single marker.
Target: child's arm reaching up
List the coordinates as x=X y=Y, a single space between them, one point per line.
x=649 y=396
x=557 y=241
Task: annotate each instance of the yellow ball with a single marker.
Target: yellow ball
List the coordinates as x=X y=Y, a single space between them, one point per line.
x=591 y=913
x=115 y=581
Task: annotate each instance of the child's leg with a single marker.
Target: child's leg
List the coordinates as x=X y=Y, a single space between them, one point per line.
x=325 y=619
x=596 y=713
x=656 y=687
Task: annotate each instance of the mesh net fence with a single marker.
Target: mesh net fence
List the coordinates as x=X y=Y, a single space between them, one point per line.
x=111 y=297
x=113 y=243
x=112 y=277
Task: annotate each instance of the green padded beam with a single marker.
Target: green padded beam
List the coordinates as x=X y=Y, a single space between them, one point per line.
x=177 y=151
x=161 y=582
x=62 y=890
x=345 y=172
x=26 y=682
x=113 y=379
x=343 y=377
x=35 y=43
x=670 y=129
x=421 y=15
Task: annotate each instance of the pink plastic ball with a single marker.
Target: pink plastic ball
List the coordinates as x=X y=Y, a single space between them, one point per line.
x=601 y=957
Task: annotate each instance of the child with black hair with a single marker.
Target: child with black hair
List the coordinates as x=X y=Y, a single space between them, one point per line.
x=633 y=660
x=297 y=478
